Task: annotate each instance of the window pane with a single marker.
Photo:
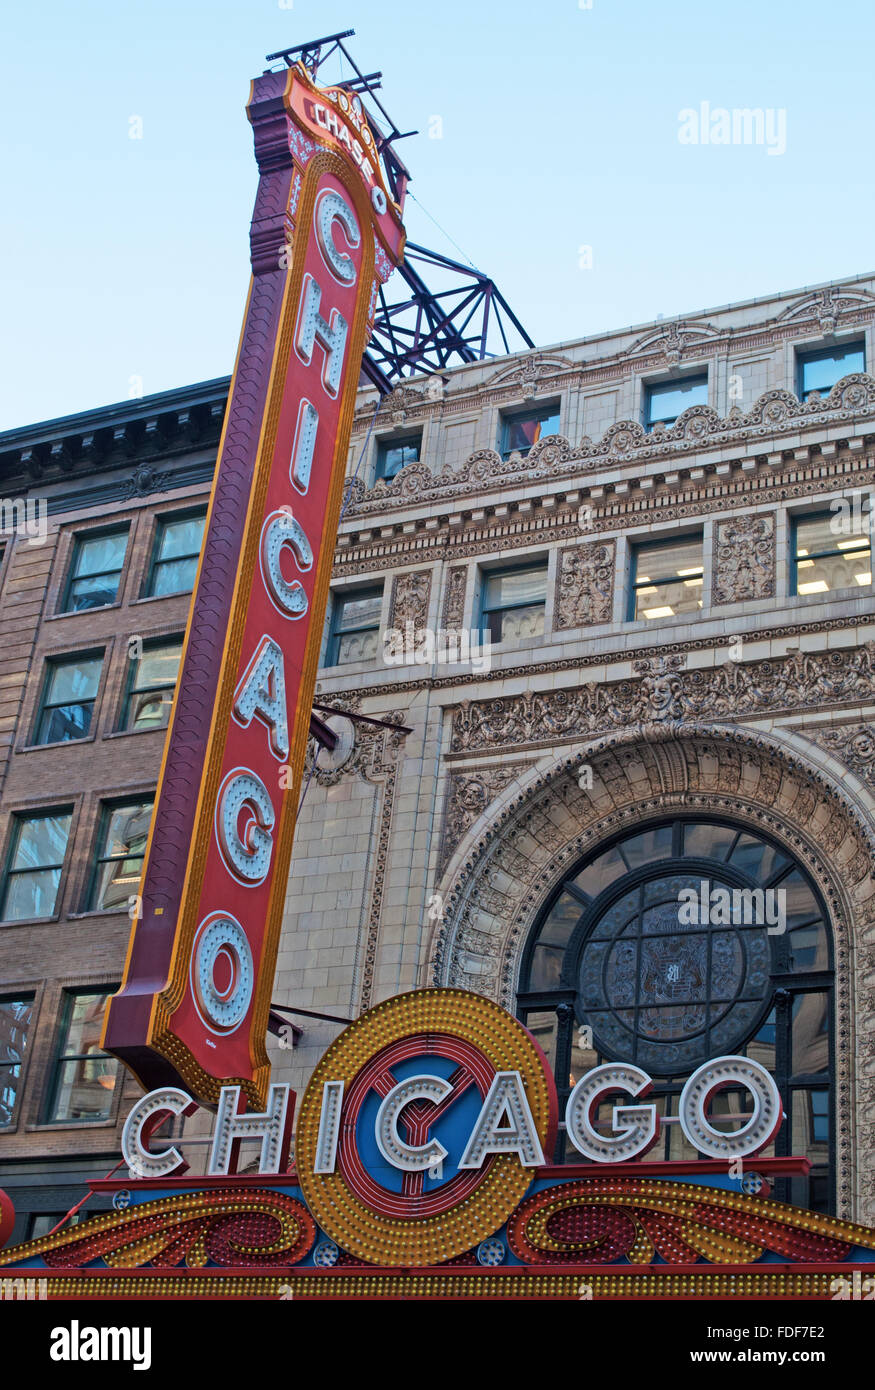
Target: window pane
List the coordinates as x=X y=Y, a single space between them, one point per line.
x=822 y=533
x=41 y=840
x=708 y=841
x=681 y=559
x=561 y=922
x=124 y=846
x=15 y=1020
x=544 y=1027
x=809 y=949
x=666 y=600
x=64 y=724
x=359 y=610
x=756 y=858
x=850 y=570
x=181 y=538
x=650 y=845
x=357 y=646
x=71 y=681
x=391 y=458
x=601 y=872
x=508 y=587
x=84 y=1089
x=31 y=895
x=522 y=431
x=821 y=372
x=175 y=577
x=93 y=593
x=667 y=401
x=516 y=623
x=84 y=1024
x=811 y=1033
x=158 y=667
x=100 y=554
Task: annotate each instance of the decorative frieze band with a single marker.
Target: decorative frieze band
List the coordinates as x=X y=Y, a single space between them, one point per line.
x=662 y=691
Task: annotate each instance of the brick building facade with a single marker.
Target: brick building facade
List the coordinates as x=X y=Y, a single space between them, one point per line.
x=665 y=531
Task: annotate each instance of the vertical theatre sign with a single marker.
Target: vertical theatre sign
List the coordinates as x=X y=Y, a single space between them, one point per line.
x=194 y=1002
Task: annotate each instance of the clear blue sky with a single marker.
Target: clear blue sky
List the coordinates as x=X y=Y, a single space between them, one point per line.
x=128 y=257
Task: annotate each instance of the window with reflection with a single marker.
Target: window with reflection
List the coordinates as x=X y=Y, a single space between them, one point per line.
x=84 y=1077
x=152 y=684
x=621 y=968
x=123 y=835
x=355 y=626
x=514 y=602
x=177 y=550
x=96 y=570
x=16 y=1016
x=831 y=552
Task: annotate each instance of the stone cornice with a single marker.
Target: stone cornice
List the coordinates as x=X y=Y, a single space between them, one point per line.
x=612 y=507
x=739 y=439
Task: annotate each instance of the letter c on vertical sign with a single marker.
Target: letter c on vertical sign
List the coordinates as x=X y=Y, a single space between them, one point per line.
x=331 y=207
x=280 y=529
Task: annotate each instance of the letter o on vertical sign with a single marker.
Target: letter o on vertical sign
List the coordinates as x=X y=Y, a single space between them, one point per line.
x=331 y=207
x=247 y=855
x=281 y=529
x=713 y=1076
x=221 y=945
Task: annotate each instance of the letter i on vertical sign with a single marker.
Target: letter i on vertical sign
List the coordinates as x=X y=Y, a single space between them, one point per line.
x=326 y=231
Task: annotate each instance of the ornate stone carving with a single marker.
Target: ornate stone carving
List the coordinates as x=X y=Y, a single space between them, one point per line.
x=744 y=559
x=410 y=595
x=400 y=402
x=454 y=599
x=852 y=744
x=732 y=690
x=585 y=585
x=639 y=775
x=145 y=481
x=775 y=413
x=469 y=794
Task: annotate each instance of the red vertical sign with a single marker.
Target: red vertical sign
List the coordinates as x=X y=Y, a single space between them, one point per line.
x=194 y=1003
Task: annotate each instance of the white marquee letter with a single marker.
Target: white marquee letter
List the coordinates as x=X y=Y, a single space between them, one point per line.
x=247 y=855
x=329 y=1127
x=305 y=443
x=273 y=1128
x=330 y=208
x=261 y=694
x=281 y=529
x=146 y=1116
x=636 y=1127
x=506 y=1101
x=759 y=1131
x=332 y=335
x=410 y=1158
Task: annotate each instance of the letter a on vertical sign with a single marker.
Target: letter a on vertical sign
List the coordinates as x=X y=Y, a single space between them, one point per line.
x=326 y=231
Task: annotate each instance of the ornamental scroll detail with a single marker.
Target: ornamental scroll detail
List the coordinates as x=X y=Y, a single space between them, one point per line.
x=745 y=559
x=586 y=585
x=663 y=690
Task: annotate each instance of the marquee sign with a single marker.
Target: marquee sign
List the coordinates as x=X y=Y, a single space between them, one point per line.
x=194 y=1002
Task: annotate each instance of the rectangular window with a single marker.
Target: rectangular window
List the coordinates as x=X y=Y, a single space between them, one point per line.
x=152 y=683
x=355 y=626
x=831 y=551
x=84 y=1077
x=523 y=429
x=514 y=601
x=820 y=370
x=177 y=549
x=667 y=400
x=16 y=1017
x=69 y=692
x=667 y=578
x=123 y=833
x=96 y=569
x=33 y=875
x=393 y=454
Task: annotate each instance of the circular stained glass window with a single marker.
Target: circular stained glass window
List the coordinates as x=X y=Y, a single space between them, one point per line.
x=671 y=993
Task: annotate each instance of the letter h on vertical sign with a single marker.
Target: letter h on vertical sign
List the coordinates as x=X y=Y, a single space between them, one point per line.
x=194 y=1002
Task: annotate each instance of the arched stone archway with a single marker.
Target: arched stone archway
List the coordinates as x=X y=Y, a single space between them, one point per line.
x=505 y=869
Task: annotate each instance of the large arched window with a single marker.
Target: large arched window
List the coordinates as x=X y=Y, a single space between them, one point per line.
x=633 y=960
